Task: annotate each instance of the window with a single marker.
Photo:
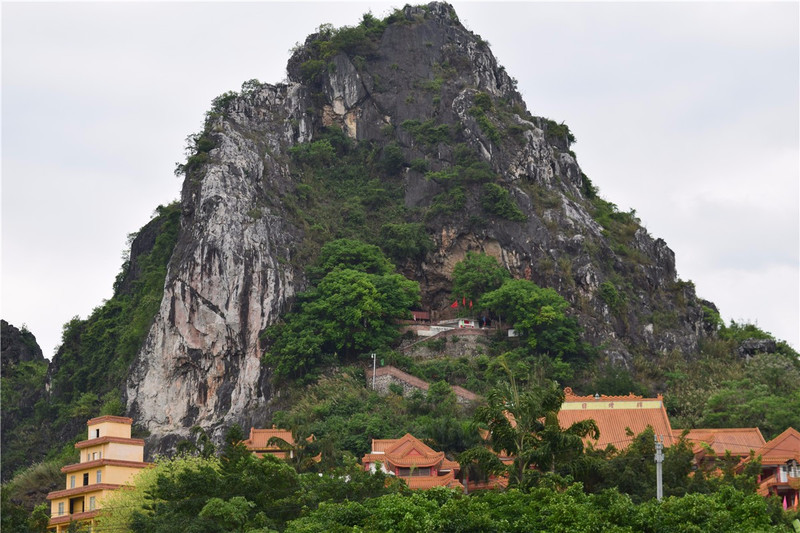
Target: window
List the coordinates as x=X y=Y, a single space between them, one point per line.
x=91 y=503
x=94 y=456
x=86 y=479
x=99 y=476
x=60 y=508
x=72 y=482
x=96 y=433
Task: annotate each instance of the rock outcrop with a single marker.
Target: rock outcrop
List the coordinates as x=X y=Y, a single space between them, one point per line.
x=236 y=266
x=230 y=276
x=17 y=346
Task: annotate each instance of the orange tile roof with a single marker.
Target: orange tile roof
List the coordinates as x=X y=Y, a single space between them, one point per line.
x=738 y=441
x=407 y=451
x=110 y=418
x=447 y=464
x=102 y=440
x=428 y=482
x=260 y=437
x=779 y=450
x=614 y=415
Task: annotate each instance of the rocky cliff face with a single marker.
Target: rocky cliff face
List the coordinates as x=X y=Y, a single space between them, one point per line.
x=471 y=151
x=229 y=277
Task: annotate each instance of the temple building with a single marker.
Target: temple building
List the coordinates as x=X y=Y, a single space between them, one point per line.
x=109 y=458
x=411 y=460
x=259 y=443
x=780 y=468
x=619 y=418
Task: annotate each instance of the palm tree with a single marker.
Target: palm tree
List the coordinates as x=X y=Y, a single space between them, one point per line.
x=524 y=424
x=304 y=453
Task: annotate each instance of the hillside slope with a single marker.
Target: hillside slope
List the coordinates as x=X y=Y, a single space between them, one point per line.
x=403 y=132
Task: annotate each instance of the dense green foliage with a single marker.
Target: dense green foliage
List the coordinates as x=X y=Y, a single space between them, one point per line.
x=344 y=417
x=405 y=241
x=524 y=424
x=539 y=315
x=238 y=492
x=558 y=134
x=427 y=132
x=350 y=311
x=498 y=201
x=476 y=275
x=21 y=387
x=547 y=508
x=720 y=388
x=332 y=201
x=349 y=254
x=23 y=508
x=355 y=41
x=234 y=492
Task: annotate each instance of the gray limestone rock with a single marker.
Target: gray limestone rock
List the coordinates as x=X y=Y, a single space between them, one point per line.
x=234 y=271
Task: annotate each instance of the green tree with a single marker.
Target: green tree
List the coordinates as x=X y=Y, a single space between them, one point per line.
x=524 y=424
x=199 y=444
x=351 y=254
x=238 y=492
x=302 y=451
x=348 y=313
x=476 y=275
x=539 y=315
x=405 y=240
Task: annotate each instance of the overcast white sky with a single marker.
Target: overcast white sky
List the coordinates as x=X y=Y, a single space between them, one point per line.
x=686 y=112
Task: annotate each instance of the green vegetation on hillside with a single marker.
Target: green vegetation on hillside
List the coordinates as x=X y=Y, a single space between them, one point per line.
x=351 y=310
x=96 y=352
x=334 y=201
x=607 y=491
x=476 y=275
x=719 y=388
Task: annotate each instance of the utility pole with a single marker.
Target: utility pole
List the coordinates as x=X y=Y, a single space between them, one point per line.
x=373 y=371
x=659 y=459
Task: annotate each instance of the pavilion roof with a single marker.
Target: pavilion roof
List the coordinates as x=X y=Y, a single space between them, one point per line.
x=407 y=451
x=260 y=437
x=737 y=441
x=779 y=450
x=617 y=417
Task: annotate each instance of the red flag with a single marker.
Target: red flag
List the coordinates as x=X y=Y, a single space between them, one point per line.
x=463 y=300
x=455 y=304
x=470 y=304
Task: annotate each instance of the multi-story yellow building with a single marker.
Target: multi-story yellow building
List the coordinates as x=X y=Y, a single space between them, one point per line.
x=108 y=459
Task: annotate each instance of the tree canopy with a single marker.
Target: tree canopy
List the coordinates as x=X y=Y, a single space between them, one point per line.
x=476 y=275
x=539 y=315
x=524 y=424
x=351 y=310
